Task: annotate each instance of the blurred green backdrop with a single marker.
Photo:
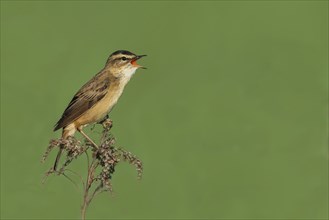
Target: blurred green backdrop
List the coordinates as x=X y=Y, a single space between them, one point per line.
x=230 y=119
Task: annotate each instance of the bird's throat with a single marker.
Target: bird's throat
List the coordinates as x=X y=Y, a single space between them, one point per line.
x=129 y=72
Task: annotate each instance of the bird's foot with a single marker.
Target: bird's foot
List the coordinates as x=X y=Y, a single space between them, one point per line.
x=107 y=124
x=103 y=120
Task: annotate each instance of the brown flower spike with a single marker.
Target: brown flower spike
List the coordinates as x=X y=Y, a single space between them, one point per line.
x=101 y=165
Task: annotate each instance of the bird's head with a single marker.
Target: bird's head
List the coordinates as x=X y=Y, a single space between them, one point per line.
x=123 y=63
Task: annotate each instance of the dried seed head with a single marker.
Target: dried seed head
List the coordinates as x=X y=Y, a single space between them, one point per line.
x=105 y=158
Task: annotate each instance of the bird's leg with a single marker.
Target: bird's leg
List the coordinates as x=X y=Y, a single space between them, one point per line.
x=106 y=122
x=103 y=120
x=88 y=138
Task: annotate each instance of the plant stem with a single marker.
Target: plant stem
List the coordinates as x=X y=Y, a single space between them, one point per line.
x=90 y=175
x=89 y=181
x=86 y=189
x=84 y=208
x=85 y=200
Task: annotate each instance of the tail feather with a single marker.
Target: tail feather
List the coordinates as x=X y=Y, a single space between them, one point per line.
x=58 y=157
x=67 y=131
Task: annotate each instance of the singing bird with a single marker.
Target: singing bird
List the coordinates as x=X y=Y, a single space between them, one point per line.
x=93 y=102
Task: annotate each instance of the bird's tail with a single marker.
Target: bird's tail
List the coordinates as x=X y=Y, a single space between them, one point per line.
x=65 y=134
x=58 y=157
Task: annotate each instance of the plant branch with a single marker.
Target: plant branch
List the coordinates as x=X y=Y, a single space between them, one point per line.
x=100 y=164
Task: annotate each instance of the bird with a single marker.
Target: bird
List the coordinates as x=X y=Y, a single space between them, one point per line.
x=96 y=98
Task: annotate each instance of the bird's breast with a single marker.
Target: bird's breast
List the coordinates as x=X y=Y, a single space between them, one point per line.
x=111 y=98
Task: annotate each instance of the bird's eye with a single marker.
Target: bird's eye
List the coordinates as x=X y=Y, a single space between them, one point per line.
x=124 y=58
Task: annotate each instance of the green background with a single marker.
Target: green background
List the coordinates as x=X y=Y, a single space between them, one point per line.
x=230 y=118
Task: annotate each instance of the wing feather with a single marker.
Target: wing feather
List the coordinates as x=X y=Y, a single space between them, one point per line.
x=89 y=94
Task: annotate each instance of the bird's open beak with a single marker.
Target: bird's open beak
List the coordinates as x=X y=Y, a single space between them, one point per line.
x=134 y=61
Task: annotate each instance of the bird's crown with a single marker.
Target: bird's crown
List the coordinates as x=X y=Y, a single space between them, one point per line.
x=123 y=58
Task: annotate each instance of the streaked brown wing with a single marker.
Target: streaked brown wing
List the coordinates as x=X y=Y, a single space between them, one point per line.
x=89 y=94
